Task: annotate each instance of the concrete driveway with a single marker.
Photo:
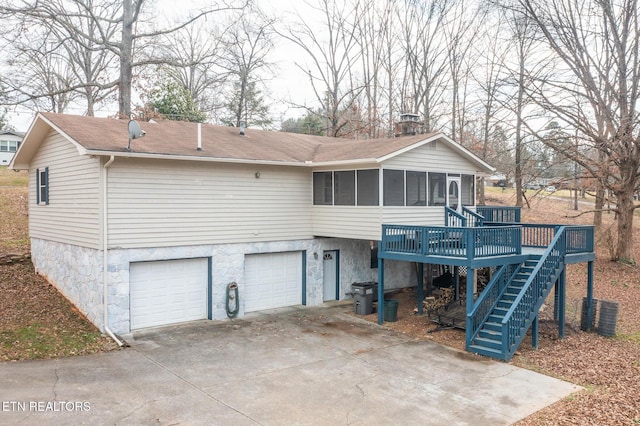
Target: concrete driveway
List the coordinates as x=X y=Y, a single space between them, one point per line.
x=293 y=366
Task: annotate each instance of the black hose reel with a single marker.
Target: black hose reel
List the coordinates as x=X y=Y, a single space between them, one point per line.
x=233 y=303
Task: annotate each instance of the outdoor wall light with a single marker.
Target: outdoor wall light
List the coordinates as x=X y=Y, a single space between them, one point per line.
x=315 y=255
x=257 y=175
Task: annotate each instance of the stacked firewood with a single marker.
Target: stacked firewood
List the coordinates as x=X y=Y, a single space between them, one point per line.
x=440 y=300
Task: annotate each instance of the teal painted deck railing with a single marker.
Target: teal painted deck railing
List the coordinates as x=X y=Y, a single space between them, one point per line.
x=473 y=218
x=499 y=214
x=459 y=242
x=580 y=239
x=466 y=218
x=453 y=218
x=488 y=299
x=525 y=307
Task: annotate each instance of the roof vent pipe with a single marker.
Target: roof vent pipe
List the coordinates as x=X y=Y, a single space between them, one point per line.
x=199 y=136
x=242 y=126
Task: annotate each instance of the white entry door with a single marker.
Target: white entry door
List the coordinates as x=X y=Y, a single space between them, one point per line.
x=167 y=292
x=453 y=193
x=272 y=280
x=330 y=275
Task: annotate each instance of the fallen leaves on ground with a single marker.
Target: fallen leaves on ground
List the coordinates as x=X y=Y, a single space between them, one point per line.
x=608 y=368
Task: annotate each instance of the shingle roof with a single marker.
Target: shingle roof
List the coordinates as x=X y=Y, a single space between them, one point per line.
x=169 y=139
x=181 y=138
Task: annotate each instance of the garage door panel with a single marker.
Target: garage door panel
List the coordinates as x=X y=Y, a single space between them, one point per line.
x=168 y=292
x=272 y=280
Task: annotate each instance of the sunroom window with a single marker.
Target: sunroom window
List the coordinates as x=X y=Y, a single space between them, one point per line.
x=437 y=189
x=345 y=188
x=393 y=187
x=368 y=188
x=468 y=190
x=322 y=188
x=416 y=188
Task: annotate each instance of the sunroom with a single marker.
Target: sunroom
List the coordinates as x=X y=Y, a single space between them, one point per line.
x=354 y=203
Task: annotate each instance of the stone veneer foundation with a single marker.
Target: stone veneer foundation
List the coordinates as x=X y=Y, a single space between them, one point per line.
x=77 y=272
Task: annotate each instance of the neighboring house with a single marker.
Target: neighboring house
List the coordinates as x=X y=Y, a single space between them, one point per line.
x=9 y=143
x=155 y=235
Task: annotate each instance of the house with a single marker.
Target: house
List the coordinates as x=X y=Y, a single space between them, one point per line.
x=9 y=143
x=157 y=234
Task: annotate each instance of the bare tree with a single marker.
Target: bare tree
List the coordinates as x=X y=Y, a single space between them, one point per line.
x=597 y=92
x=245 y=58
x=425 y=56
x=194 y=59
x=461 y=30
x=42 y=52
x=62 y=18
x=489 y=77
x=332 y=53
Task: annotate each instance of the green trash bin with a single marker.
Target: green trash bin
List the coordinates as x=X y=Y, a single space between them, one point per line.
x=391 y=310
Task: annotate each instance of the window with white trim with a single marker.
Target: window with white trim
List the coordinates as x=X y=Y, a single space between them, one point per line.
x=9 y=146
x=42 y=186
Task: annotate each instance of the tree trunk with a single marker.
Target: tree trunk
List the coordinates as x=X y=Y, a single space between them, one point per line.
x=599 y=205
x=126 y=60
x=624 y=204
x=481 y=198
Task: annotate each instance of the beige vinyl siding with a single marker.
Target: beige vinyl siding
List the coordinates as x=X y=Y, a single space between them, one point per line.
x=73 y=213
x=439 y=159
x=157 y=203
x=356 y=222
x=419 y=216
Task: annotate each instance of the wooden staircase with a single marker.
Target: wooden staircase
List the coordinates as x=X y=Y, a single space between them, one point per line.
x=502 y=327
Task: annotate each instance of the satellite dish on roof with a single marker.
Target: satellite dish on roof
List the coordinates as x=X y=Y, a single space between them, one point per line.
x=135 y=132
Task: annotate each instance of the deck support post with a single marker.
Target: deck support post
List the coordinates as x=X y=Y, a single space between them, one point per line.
x=589 y=295
x=456 y=279
x=534 y=332
x=556 y=300
x=420 y=294
x=562 y=280
x=469 y=306
x=380 y=290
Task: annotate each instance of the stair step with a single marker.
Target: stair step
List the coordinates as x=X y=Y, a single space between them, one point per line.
x=487 y=352
x=487 y=343
x=505 y=303
x=492 y=326
x=500 y=311
x=509 y=296
x=495 y=318
x=490 y=334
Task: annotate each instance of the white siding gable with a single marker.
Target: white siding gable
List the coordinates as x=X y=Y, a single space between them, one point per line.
x=73 y=213
x=433 y=157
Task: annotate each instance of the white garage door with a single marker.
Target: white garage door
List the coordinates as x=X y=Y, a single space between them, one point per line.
x=272 y=280
x=168 y=292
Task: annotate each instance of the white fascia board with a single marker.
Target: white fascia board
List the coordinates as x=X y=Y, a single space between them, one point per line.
x=121 y=154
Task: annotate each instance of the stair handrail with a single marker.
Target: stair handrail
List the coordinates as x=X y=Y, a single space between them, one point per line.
x=473 y=218
x=488 y=299
x=453 y=218
x=532 y=295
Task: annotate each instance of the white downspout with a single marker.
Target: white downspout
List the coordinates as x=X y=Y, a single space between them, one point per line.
x=105 y=241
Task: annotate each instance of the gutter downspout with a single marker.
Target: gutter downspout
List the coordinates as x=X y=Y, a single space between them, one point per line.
x=105 y=280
